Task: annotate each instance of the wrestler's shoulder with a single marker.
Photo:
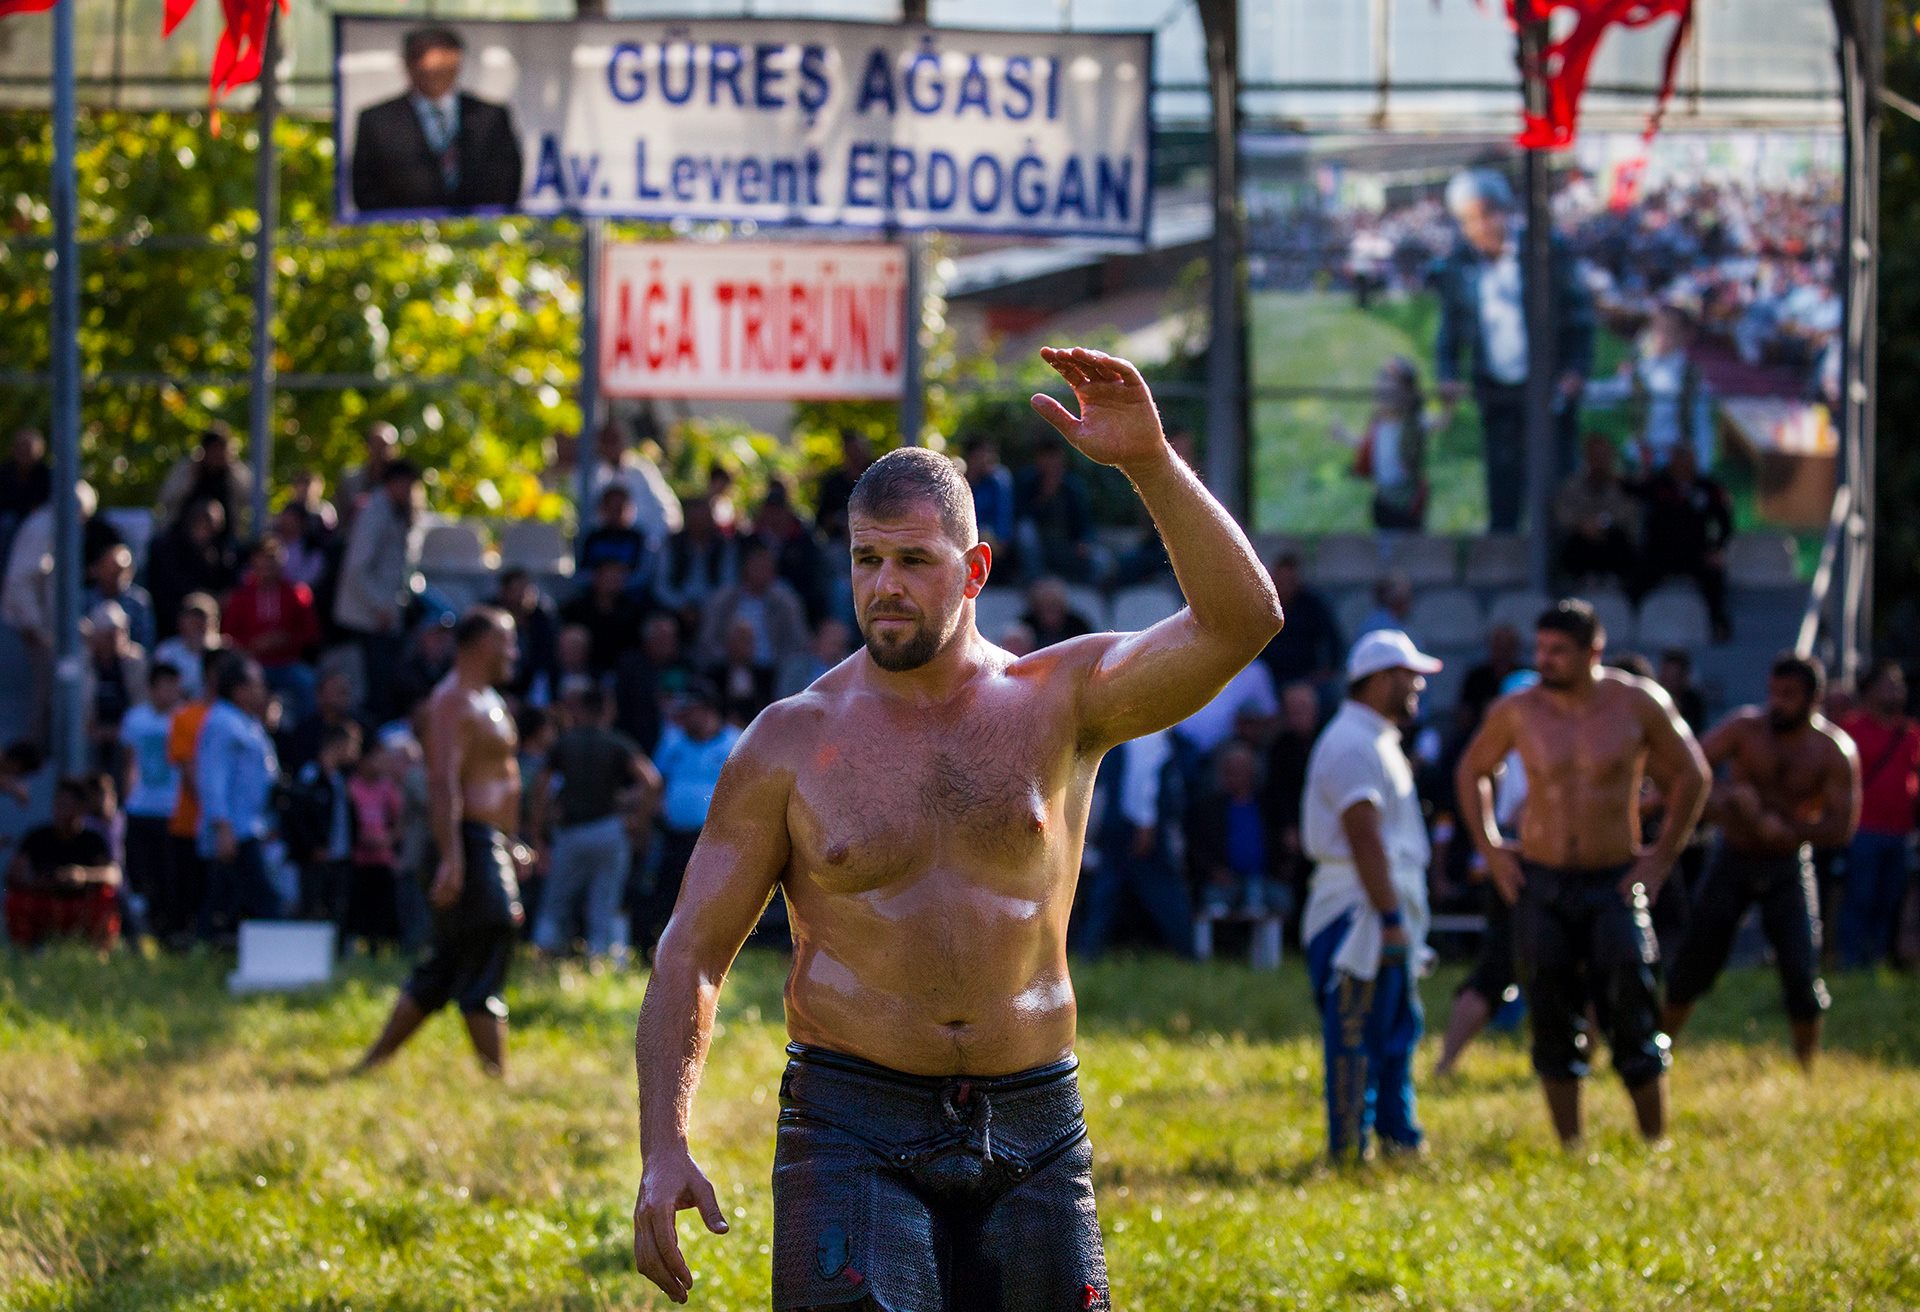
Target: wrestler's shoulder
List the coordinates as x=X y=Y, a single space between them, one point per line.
x=1634 y=689
x=1842 y=740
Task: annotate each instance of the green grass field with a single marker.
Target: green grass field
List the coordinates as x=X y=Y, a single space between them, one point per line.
x=164 y=1146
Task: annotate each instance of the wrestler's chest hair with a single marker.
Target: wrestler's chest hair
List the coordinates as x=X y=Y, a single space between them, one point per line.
x=983 y=782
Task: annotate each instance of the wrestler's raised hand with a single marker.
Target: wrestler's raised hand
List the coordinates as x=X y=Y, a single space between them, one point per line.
x=1118 y=422
x=669 y=1184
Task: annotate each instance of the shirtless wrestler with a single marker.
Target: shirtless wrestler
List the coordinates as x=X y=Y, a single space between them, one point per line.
x=473 y=796
x=1579 y=882
x=923 y=806
x=1792 y=784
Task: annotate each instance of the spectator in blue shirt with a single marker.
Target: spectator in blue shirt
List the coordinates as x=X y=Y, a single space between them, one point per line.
x=992 y=488
x=692 y=750
x=234 y=772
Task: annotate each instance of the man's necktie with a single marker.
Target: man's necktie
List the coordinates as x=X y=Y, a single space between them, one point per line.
x=447 y=147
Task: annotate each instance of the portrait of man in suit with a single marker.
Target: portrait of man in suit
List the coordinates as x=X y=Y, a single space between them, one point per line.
x=436 y=147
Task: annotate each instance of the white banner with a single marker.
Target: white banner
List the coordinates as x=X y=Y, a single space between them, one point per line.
x=851 y=125
x=745 y=321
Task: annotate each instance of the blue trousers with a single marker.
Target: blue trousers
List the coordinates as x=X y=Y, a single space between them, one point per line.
x=588 y=871
x=1152 y=880
x=1870 y=907
x=1370 y=1029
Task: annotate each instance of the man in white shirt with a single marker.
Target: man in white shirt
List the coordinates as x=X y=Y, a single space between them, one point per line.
x=1366 y=919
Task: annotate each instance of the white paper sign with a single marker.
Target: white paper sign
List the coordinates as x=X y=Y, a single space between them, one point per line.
x=849 y=125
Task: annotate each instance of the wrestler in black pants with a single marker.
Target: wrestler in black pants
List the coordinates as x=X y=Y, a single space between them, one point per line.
x=1783 y=886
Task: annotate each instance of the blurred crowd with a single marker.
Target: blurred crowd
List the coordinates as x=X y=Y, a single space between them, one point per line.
x=255 y=706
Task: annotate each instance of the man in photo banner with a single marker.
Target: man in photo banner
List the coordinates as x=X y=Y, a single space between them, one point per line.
x=436 y=147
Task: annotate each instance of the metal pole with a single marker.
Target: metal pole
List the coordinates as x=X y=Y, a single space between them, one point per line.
x=913 y=362
x=266 y=203
x=1226 y=457
x=1536 y=279
x=69 y=720
x=586 y=452
x=1855 y=404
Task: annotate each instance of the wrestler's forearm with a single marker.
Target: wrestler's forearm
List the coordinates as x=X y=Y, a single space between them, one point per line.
x=1687 y=802
x=1476 y=804
x=443 y=810
x=670 y=1049
x=1226 y=587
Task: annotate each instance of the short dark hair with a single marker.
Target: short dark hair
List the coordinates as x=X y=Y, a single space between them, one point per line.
x=216 y=434
x=1811 y=674
x=23 y=757
x=162 y=670
x=1573 y=617
x=422 y=39
x=476 y=624
x=593 y=699
x=401 y=468
x=75 y=787
x=1678 y=656
x=913 y=475
x=235 y=674
x=701 y=691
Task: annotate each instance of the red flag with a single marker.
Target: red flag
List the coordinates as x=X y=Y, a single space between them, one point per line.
x=24 y=6
x=243 y=42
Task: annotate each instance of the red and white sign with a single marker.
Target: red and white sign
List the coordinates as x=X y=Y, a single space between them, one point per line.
x=743 y=321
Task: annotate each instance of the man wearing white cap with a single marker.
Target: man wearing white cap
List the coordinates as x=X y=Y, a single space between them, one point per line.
x=1366 y=919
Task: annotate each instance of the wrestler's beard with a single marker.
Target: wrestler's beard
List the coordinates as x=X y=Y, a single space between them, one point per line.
x=911 y=654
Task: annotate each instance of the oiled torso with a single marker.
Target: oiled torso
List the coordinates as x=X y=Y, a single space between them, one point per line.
x=1787 y=772
x=1584 y=759
x=934 y=852
x=489 y=765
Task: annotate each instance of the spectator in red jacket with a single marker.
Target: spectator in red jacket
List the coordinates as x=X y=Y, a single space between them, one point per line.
x=273 y=620
x=1889 y=743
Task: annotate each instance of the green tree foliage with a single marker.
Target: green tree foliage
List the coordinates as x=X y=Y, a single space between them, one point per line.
x=468 y=331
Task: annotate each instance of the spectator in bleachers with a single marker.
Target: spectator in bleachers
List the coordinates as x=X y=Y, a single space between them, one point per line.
x=726 y=515
x=152 y=788
x=376 y=806
x=1878 y=859
x=272 y=619
x=1689 y=521
x=1392 y=452
x=20 y=760
x=1287 y=758
x=832 y=643
x=836 y=485
x=307 y=493
x=63 y=880
x=1246 y=708
x=196 y=633
x=647 y=678
x=1017 y=640
x=1234 y=847
x=1050 y=616
x=656 y=510
x=764 y=600
x=1147 y=560
x=572 y=663
x=110 y=578
x=370 y=606
x=193 y=554
x=699 y=563
x=26 y=605
x=614 y=537
x=210 y=473
x=429 y=656
x=364 y=482
x=1309 y=648
x=1132 y=838
x=993 y=493
x=234 y=773
x=744 y=683
x=298 y=742
x=115 y=680
x=538 y=621
x=1392 y=603
x=175 y=915
x=1053 y=519
x=1485 y=680
x=26 y=483
x=316 y=824
x=610 y=614
x=1675 y=674
x=692 y=751
x=797 y=555
x=595 y=779
x=305 y=544
x=1482 y=313
x=1599 y=520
